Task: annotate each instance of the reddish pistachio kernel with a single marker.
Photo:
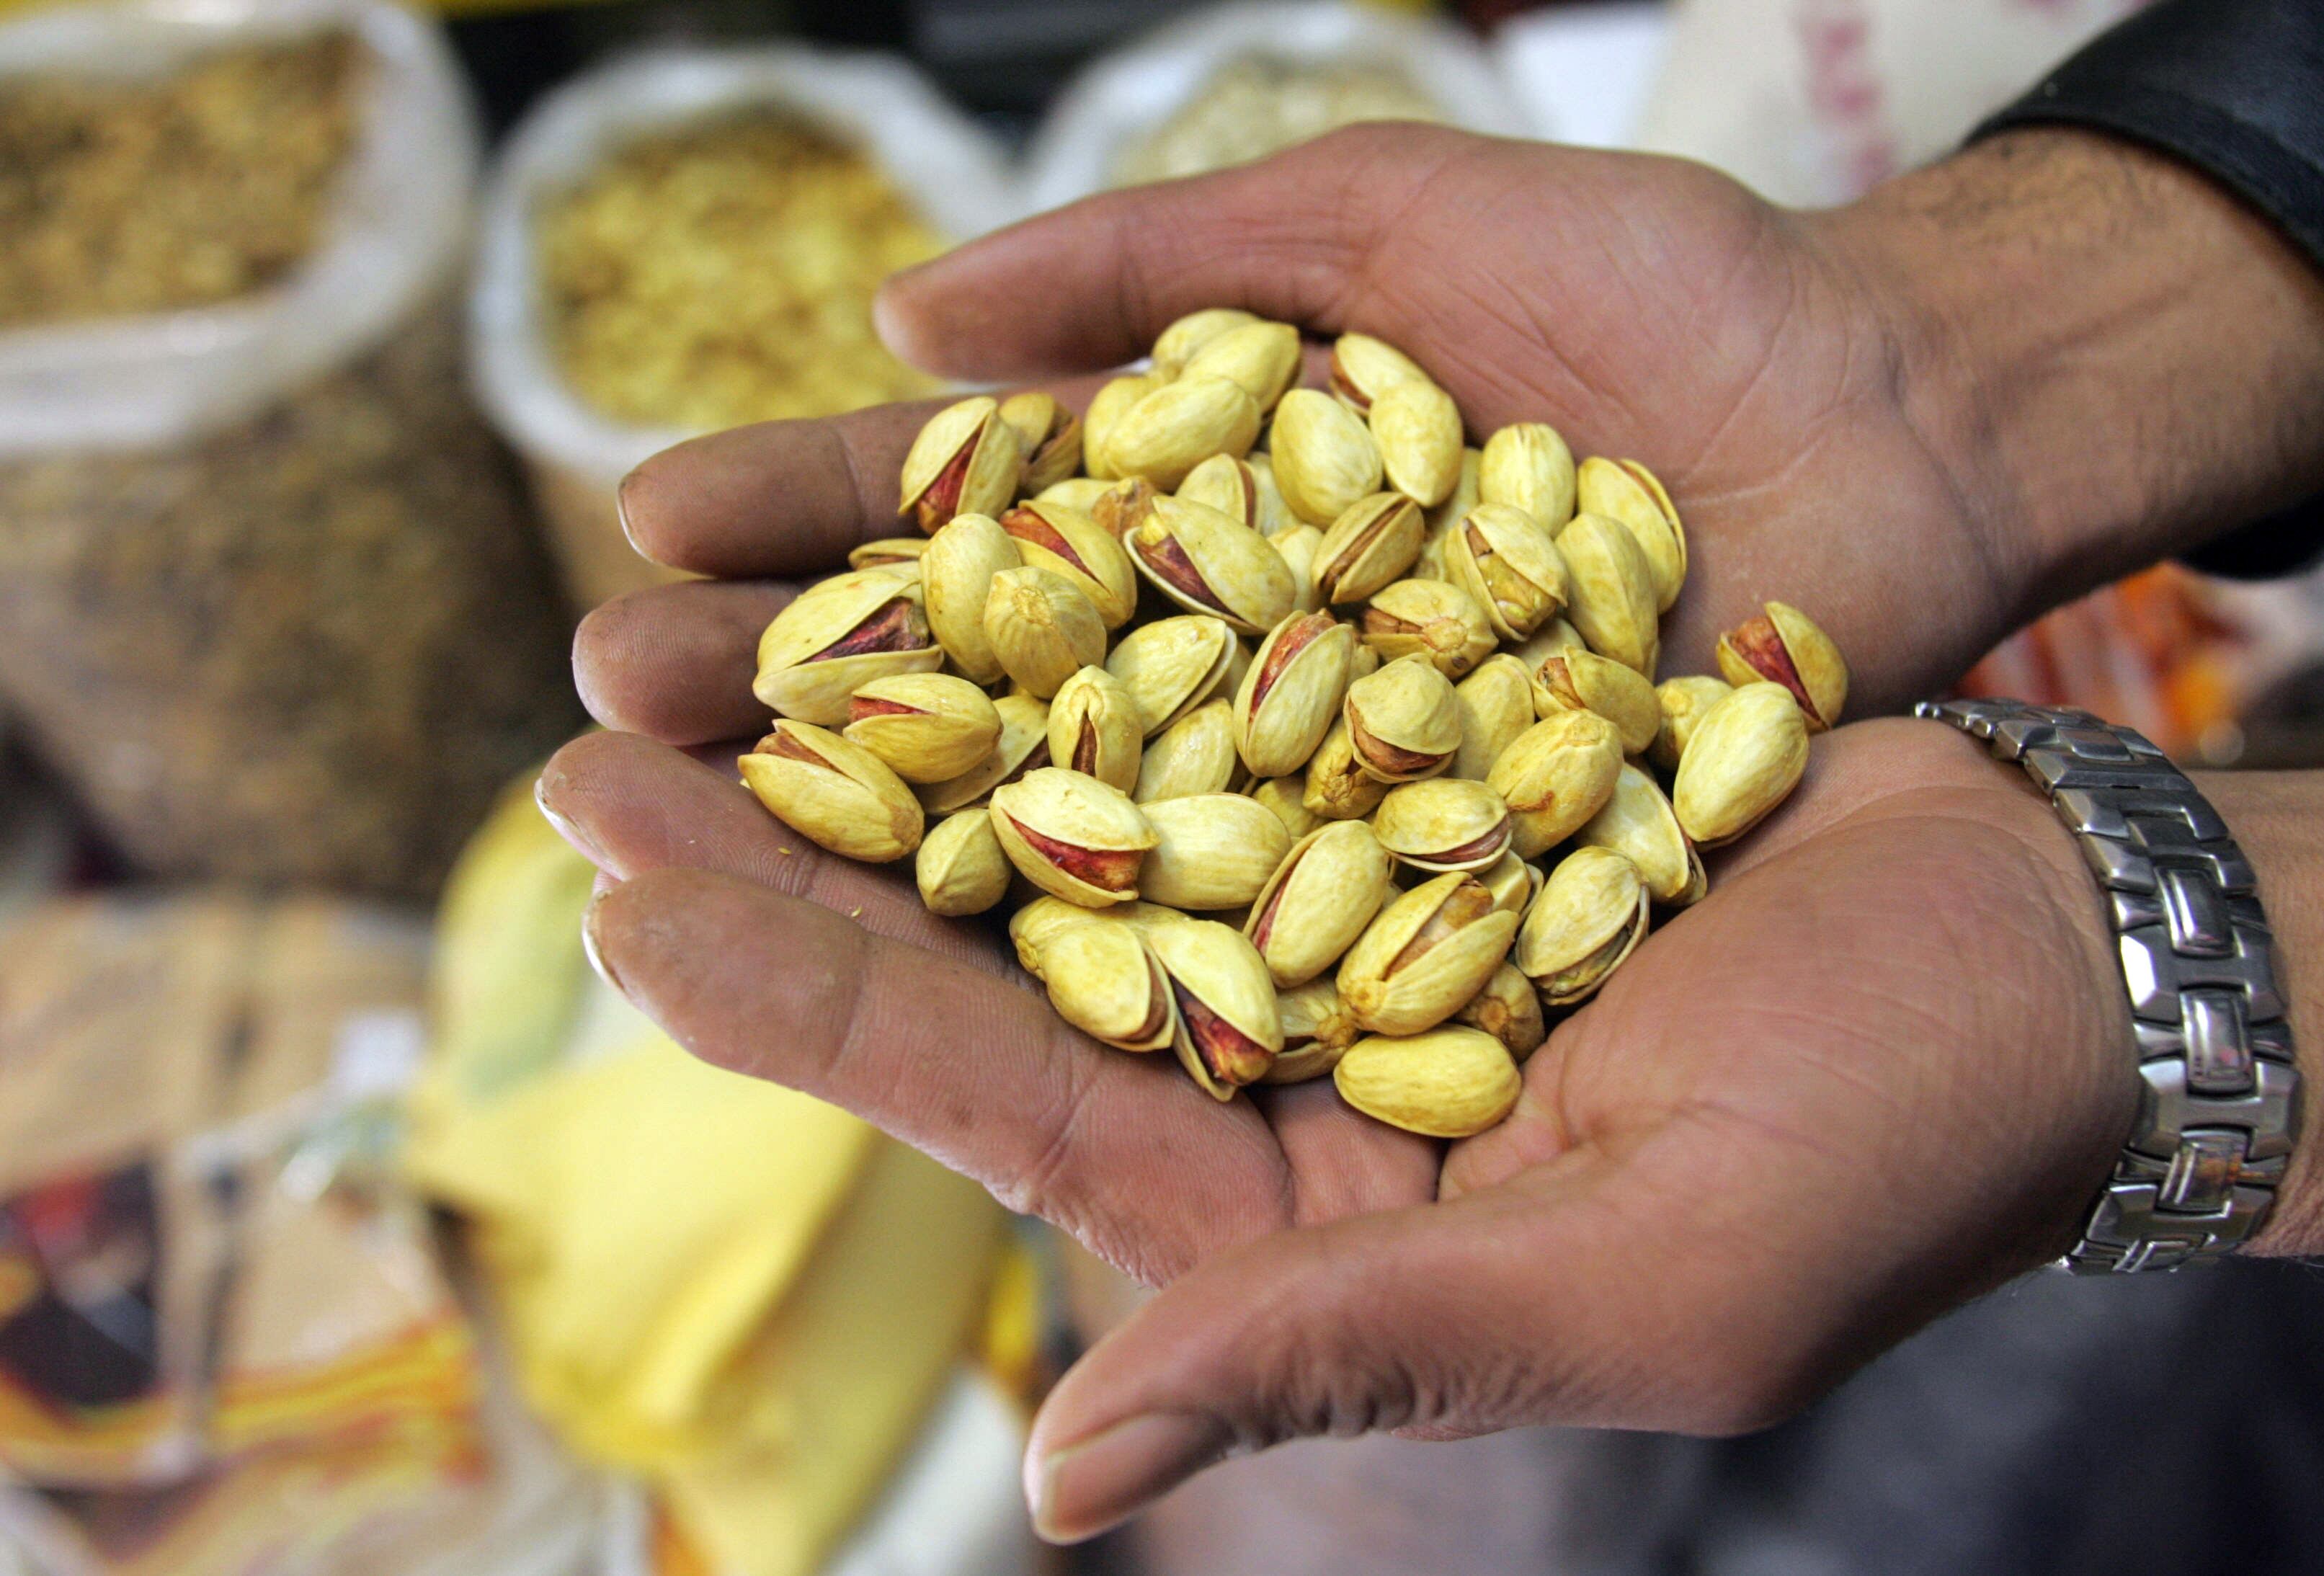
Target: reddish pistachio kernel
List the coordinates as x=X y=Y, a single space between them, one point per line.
x=897 y=626
x=1303 y=632
x=1386 y=757
x=1230 y=1056
x=1469 y=902
x=1169 y=560
x=1026 y=526
x=1757 y=642
x=1260 y=932
x=1479 y=847
x=1086 y=749
x=941 y=502
x=863 y=705
x=1110 y=869
x=790 y=747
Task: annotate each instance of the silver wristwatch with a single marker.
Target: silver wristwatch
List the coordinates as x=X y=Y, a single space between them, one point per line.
x=2219 y=1104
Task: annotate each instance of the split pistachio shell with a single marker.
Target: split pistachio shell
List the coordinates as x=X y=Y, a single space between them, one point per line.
x=1095 y=728
x=1683 y=702
x=1584 y=681
x=1213 y=850
x=1263 y=359
x=1610 y=592
x=1300 y=547
x=965 y=461
x=1783 y=645
x=1292 y=693
x=1184 y=337
x=1404 y=721
x=1638 y=823
x=1529 y=466
x=1319 y=898
x=1123 y=507
x=1371 y=543
x=956 y=575
x=1050 y=433
x=1042 y=627
x=1178 y=425
x=1194 y=755
x=1512 y=881
x=1443 y=824
x=1227 y=485
x=1451 y=1082
x=1433 y=621
x=1507 y=1009
x=1746 y=756
x=1024 y=747
x=1067 y=542
x=833 y=793
x=1337 y=786
x=839 y=635
x=1106 y=982
x=1506 y=561
x=1429 y=951
x=959 y=868
x=1364 y=368
x=1627 y=491
x=901 y=554
x=1555 y=776
x=1440 y=520
x=1281 y=795
x=1496 y=704
x=1416 y=427
x=1591 y=915
x=1316 y=1032
x=1107 y=407
x=1172 y=665
x=928 y=727
x=1323 y=455
x=1207 y=562
x=1228 y=1028
x=1080 y=493
x=1072 y=836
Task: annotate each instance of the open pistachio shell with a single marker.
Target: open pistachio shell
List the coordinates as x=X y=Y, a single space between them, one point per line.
x=1228 y=1027
x=1107 y=407
x=1172 y=665
x=1584 y=681
x=1555 y=776
x=1024 y=747
x=1364 y=368
x=1417 y=430
x=1372 y=542
x=1178 y=425
x=836 y=794
x=901 y=554
x=1263 y=359
x=1589 y=916
x=929 y=727
x=1426 y=953
x=1627 y=491
x=1443 y=824
x=1610 y=592
x=1213 y=850
x=1228 y=484
x=1194 y=755
x=1095 y=728
x=1106 y=982
x=1319 y=898
x=839 y=635
x=1208 y=563
x=1683 y=702
x=1502 y=557
x=1123 y=506
x=1783 y=645
x=1404 y=721
x=1745 y=757
x=1317 y=1033
x=960 y=869
x=1050 y=433
x=1451 y=1082
x=1292 y=693
x=1496 y=704
x=1432 y=619
x=1528 y=465
x=1067 y=542
x=1638 y=823
x=956 y=572
x=1072 y=836
x=965 y=461
x=1323 y=457
x=1337 y=788
x=1507 y=1009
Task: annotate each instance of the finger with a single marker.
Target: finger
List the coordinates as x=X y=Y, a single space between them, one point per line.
x=1286 y=237
x=1342 y=1161
x=675 y=663
x=1122 y=1151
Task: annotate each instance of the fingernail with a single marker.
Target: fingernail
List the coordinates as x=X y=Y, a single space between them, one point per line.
x=589 y=944
x=565 y=828
x=621 y=512
x=1081 y=1490
x=888 y=322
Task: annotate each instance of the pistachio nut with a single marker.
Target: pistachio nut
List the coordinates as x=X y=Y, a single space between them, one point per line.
x=1443 y=824
x=1373 y=542
x=1529 y=466
x=1512 y=881
x=1610 y=592
x=836 y=794
x=1504 y=561
x=1591 y=915
x=1107 y=407
x=1555 y=776
x=1747 y=754
x=1194 y=755
x=1104 y=980
x=1318 y=899
x=1440 y=521
x=1123 y=507
x=1034 y=925
x=1323 y=457
x=1783 y=645
x=1416 y=427
x=1337 y=788
x=1228 y=1028
x=1072 y=835
x=1292 y=692
x=1080 y=493
x=1638 y=823
x=1208 y=563
x=1178 y=425
x=1213 y=850
x=1281 y=795
x=1042 y=627
x=956 y=581
x=1432 y=621
x=840 y=634
x=1067 y=542
x=965 y=461
x=1180 y=341
x=1584 y=681
x=1269 y=516
x=1095 y=728
x=959 y=868
x=1316 y=1032
x=1048 y=436
x=1172 y=665
x=1627 y=491
x=1227 y=485
x=929 y=727
x=1451 y=1082
x=1364 y=368
x=1683 y=702
x=1263 y=359
x=1496 y=704
x=1024 y=747
x=1299 y=548
x=1404 y=721
x=1507 y=1009
x=1429 y=951
x=898 y=553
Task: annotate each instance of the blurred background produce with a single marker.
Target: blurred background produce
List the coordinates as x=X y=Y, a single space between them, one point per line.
x=347 y=1223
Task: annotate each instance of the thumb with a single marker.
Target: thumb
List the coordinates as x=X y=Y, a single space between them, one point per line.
x=1091 y=285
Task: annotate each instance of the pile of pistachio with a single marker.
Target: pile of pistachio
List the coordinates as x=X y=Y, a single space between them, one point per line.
x=1302 y=738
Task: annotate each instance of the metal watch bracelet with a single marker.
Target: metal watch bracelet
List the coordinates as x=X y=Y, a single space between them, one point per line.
x=2218 y=1106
